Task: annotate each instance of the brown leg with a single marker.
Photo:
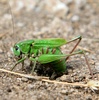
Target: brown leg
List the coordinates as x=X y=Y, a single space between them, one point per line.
x=88 y=66
x=79 y=39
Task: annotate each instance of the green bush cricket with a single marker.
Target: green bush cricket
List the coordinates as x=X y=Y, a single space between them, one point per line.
x=46 y=51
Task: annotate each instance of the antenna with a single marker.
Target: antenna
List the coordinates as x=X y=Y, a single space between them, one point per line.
x=12 y=18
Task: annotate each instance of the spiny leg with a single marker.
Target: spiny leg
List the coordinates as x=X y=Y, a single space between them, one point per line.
x=53 y=51
x=33 y=67
x=82 y=52
x=88 y=65
x=42 y=51
x=47 y=50
x=34 y=64
x=19 y=61
x=31 y=63
x=79 y=39
x=22 y=65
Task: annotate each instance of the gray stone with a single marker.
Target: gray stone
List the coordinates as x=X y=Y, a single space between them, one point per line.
x=75 y=18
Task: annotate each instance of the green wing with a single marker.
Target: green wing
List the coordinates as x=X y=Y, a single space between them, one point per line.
x=53 y=42
x=47 y=58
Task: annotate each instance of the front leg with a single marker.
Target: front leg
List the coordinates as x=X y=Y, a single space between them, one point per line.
x=19 y=61
x=34 y=64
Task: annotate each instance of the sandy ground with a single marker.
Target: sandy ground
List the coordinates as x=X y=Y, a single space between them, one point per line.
x=36 y=20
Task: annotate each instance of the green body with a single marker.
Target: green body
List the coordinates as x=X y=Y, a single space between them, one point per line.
x=45 y=51
x=34 y=47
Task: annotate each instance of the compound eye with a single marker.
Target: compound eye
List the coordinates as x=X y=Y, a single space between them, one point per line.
x=16 y=48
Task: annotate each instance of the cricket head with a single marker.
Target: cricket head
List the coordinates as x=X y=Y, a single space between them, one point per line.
x=22 y=47
x=16 y=50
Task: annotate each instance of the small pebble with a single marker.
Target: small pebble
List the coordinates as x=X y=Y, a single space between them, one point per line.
x=19 y=79
x=88 y=97
x=24 y=79
x=63 y=91
x=30 y=86
x=71 y=90
x=66 y=78
x=66 y=92
x=60 y=9
x=75 y=18
x=76 y=79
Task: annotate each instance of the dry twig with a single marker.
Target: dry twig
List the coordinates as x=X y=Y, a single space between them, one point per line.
x=92 y=84
x=24 y=75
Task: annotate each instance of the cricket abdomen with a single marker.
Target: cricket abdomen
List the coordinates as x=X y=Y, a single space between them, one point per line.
x=59 y=65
